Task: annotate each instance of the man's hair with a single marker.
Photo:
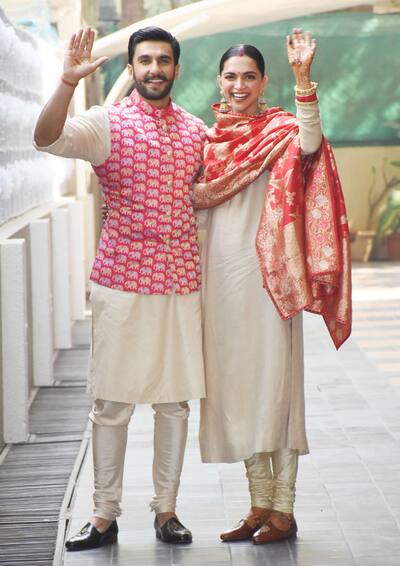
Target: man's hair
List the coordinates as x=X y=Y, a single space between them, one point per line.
x=153 y=34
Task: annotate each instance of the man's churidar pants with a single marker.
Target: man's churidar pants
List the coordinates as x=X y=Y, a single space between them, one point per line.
x=110 y=431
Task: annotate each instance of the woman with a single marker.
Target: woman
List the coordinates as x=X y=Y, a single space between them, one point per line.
x=274 y=179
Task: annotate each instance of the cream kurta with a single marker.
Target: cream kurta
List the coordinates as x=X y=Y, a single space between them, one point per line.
x=145 y=348
x=150 y=345
x=253 y=359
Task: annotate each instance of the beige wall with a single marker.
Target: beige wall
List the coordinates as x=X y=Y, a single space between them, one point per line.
x=355 y=168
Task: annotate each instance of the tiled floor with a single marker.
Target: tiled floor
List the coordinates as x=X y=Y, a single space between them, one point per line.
x=348 y=491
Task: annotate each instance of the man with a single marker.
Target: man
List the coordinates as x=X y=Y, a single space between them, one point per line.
x=146 y=345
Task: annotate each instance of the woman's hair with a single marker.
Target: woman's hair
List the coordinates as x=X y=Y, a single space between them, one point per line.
x=238 y=51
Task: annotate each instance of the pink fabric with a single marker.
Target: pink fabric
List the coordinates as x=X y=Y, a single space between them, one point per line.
x=148 y=244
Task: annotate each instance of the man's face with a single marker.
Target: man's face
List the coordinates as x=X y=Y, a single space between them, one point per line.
x=153 y=70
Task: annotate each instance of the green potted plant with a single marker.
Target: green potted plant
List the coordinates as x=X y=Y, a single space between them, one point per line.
x=389 y=220
x=362 y=241
x=383 y=214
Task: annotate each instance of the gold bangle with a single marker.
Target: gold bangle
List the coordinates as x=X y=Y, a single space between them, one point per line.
x=306 y=91
x=69 y=83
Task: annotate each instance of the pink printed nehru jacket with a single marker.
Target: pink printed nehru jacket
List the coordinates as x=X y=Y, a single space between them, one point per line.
x=148 y=244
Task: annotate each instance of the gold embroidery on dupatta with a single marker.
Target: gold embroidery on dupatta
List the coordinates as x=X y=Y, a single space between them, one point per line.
x=302 y=240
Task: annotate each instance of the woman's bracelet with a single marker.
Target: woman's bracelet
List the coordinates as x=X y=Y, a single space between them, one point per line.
x=306 y=91
x=69 y=83
x=306 y=95
x=309 y=99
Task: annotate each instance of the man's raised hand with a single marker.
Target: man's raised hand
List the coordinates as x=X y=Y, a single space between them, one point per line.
x=77 y=61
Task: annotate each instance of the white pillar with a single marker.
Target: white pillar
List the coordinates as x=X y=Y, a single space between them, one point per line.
x=42 y=315
x=14 y=340
x=77 y=260
x=61 y=279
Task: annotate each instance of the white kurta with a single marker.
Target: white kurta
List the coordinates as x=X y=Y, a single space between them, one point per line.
x=253 y=359
x=145 y=348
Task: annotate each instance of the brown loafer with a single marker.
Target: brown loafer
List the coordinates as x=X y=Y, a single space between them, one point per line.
x=243 y=531
x=270 y=533
x=246 y=527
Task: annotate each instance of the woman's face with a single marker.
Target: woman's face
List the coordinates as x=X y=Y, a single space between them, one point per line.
x=242 y=84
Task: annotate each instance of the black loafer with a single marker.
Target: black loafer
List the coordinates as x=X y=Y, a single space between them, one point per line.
x=172 y=531
x=89 y=537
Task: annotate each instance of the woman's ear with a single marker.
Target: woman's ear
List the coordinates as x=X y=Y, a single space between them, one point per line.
x=264 y=83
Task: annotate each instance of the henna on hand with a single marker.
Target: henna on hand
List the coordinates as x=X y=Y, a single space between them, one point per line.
x=301 y=49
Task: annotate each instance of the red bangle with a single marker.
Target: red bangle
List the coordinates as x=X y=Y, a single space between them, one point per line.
x=68 y=82
x=309 y=98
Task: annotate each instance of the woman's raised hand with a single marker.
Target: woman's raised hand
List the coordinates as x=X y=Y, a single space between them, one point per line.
x=77 y=60
x=301 y=49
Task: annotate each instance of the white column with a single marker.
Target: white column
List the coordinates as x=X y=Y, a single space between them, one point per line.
x=14 y=340
x=42 y=309
x=61 y=279
x=77 y=260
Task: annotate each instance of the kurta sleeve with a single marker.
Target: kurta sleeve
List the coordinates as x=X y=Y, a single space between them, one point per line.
x=202 y=220
x=309 y=126
x=86 y=136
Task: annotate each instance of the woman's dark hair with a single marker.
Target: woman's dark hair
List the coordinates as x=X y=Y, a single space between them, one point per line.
x=239 y=50
x=153 y=34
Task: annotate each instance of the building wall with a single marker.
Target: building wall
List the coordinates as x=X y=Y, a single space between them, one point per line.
x=33 y=189
x=1 y=390
x=355 y=167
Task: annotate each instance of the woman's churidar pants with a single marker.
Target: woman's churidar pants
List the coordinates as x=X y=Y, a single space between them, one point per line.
x=273 y=487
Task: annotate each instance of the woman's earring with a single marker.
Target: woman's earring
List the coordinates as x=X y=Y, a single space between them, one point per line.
x=262 y=103
x=224 y=105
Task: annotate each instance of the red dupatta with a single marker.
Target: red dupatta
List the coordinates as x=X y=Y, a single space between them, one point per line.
x=302 y=241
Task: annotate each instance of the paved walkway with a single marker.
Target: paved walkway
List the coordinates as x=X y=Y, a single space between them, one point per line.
x=348 y=495
x=35 y=475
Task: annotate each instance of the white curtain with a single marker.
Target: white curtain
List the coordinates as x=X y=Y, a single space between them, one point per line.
x=26 y=177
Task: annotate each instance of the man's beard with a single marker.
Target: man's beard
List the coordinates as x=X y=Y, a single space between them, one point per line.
x=145 y=92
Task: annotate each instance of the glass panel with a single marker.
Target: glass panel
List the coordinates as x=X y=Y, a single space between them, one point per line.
x=357 y=66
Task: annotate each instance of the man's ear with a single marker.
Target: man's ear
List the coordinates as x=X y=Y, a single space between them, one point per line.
x=177 y=71
x=130 y=70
